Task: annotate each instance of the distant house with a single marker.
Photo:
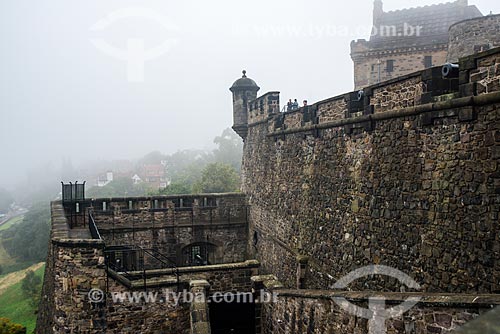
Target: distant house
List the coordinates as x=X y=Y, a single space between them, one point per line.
x=136 y=179
x=103 y=180
x=154 y=175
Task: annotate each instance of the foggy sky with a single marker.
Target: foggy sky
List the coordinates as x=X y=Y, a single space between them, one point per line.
x=61 y=97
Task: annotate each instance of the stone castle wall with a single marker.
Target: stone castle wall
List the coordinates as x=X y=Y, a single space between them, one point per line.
x=473 y=36
x=486 y=75
x=306 y=311
x=370 y=66
x=407 y=177
x=161 y=223
x=76 y=265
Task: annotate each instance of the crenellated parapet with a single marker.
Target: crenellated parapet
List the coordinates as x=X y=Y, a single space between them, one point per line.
x=263 y=107
x=423 y=92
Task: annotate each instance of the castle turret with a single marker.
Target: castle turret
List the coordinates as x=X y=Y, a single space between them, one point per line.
x=378 y=10
x=244 y=90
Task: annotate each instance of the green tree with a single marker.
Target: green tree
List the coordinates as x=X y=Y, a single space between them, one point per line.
x=217 y=178
x=152 y=158
x=119 y=187
x=31 y=286
x=229 y=148
x=186 y=164
x=8 y=327
x=28 y=240
x=177 y=188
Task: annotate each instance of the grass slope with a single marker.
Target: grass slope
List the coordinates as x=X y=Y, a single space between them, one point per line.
x=15 y=306
x=8 y=263
x=11 y=222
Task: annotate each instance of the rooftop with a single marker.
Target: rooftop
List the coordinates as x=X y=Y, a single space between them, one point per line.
x=434 y=21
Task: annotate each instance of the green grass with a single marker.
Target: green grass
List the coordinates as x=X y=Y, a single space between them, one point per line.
x=8 y=263
x=15 y=306
x=11 y=222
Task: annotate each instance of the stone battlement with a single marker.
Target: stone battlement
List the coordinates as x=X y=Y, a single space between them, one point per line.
x=145 y=244
x=420 y=92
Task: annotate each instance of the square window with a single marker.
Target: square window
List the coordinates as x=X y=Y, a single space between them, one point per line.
x=428 y=61
x=390 y=66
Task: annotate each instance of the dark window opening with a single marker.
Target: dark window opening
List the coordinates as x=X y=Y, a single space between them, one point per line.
x=199 y=254
x=390 y=66
x=234 y=317
x=255 y=238
x=123 y=258
x=428 y=61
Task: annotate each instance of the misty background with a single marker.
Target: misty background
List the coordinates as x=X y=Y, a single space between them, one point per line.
x=64 y=102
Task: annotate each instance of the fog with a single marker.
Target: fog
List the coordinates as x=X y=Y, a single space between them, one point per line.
x=64 y=96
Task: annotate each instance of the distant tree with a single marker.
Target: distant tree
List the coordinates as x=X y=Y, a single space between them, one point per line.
x=229 y=148
x=217 y=178
x=177 y=188
x=119 y=187
x=8 y=327
x=196 y=170
x=6 y=200
x=28 y=240
x=186 y=164
x=31 y=286
x=1 y=270
x=152 y=158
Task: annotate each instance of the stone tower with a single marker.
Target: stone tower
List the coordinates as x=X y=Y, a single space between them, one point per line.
x=244 y=90
x=407 y=40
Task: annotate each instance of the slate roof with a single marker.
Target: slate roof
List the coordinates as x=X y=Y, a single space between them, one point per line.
x=435 y=21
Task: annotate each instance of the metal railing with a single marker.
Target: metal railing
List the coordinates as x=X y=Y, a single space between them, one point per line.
x=94 y=231
x=128 y=260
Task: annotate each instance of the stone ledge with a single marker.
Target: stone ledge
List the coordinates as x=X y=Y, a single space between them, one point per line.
x=152 y=279
x=158 y=226
x=76 y=243
x=411 y=111
x=149 y=198
x=269 y=282
x=444 y=299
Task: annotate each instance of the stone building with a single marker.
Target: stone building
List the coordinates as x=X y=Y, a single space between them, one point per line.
x=407 y=40
x=388 y=198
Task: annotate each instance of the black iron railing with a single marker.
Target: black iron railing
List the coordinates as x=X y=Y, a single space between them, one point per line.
x=94 y=231
x=129 y=260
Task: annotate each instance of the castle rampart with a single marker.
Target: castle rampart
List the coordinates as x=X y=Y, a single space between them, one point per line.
x=116 y=245
x=473 y=36
x=405 y=174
